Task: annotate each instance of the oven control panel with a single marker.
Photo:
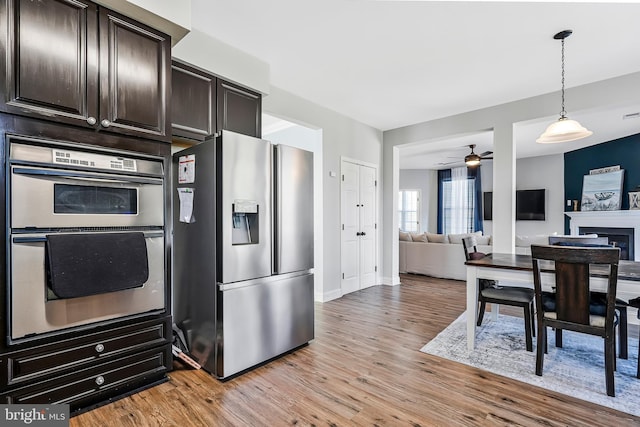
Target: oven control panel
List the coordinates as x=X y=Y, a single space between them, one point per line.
x=92 y=160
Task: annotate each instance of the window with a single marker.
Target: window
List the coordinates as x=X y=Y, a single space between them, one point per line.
x=459 y=202
x=409 y=210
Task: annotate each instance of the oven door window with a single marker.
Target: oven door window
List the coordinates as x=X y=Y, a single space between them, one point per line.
x=90 y=199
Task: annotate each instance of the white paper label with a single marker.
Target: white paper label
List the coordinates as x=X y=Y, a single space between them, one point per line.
x=187 y=169
x=186 y=205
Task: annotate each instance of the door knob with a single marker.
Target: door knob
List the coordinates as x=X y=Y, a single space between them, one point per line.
x=105 y=123
x=91 y=120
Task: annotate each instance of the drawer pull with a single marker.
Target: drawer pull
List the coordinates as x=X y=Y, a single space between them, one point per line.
x=100 y=380
x=100 y=348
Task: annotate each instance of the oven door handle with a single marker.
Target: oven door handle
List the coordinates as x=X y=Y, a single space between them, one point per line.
x=42 y=239
x=38 y=239
x=95 y=176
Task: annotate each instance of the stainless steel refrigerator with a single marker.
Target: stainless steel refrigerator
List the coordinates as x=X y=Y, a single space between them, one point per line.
x=242 y=250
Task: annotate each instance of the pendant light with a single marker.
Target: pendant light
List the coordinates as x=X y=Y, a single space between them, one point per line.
x=563 y=130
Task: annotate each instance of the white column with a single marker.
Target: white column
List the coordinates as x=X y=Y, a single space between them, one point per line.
x=504 y=187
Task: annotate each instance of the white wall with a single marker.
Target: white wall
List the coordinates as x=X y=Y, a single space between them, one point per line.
x=543 y=172
x=533 y=173
x=341 y=137
x=426 y=181
x=501 y=119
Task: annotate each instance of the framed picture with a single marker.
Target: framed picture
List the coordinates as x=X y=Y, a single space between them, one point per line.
x=602 y=192
x=634 y=200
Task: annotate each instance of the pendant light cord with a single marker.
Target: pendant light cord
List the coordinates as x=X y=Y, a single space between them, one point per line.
x=563 y=113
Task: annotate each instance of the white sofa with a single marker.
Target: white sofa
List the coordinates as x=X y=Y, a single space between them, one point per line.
x=421 y=255
x=445 y=260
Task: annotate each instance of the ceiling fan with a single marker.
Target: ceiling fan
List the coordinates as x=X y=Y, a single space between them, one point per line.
x=472 y=159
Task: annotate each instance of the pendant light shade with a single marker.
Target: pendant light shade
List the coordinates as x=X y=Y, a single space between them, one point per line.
x=563 y=130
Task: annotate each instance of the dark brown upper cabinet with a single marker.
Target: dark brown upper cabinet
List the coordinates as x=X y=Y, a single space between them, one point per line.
x=72 y=62
x=193 y=102
x=239 y=109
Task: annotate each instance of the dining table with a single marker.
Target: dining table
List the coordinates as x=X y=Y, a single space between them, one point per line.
x=517 y=270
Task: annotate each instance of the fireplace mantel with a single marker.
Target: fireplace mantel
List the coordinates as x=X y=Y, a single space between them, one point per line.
x=613 y=219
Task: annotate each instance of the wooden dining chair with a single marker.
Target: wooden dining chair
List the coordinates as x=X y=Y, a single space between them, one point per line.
x=490 y=292
x=572 y=298
x=597 y=300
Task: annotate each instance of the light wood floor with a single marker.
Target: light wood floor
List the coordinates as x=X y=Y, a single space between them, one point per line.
x=364 y=368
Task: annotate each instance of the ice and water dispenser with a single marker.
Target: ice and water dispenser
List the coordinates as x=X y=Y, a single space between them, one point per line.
x=245 y=223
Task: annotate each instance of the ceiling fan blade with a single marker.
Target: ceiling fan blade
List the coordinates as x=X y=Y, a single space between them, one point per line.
x=448 y=163
x=486 y=153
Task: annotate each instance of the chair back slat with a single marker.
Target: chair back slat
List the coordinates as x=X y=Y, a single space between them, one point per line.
x=572 y=295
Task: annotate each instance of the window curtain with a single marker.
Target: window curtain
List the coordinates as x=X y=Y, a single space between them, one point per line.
x=475 y=174
x=443 y=176
x=460 y=200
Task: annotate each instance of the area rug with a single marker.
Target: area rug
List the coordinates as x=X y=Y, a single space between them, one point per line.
x=577 y=369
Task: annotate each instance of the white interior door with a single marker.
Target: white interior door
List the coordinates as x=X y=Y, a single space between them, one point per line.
x=359 y=261
x=367 y=217
x=350 y=228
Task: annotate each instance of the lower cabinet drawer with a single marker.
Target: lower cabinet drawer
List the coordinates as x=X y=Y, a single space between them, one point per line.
x=103 y=381
x=29 y=365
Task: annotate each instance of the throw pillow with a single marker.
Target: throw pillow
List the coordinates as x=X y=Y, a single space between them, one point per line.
x=526 y=241
x=419 y=237
x=483 y=240
x=437 y=238
x=405 y=237
x=457 y=238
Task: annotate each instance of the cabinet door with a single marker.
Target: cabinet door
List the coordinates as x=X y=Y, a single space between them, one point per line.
x=193 y=95
x=239 y=109
x=49 y=59
x=134 y=78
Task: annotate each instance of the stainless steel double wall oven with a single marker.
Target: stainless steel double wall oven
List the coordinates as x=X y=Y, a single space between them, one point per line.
x=86 y=236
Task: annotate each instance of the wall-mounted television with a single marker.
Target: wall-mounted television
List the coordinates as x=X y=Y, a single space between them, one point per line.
x=530 y=205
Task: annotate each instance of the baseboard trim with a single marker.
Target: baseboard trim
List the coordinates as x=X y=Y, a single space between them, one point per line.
x=327 y=296
x=391 y=281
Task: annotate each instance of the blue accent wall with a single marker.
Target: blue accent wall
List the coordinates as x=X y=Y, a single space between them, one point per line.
x=624 y=152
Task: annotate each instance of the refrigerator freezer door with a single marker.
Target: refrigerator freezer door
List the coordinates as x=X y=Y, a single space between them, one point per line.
x=293 y=248
x=244 y=207
x=263 y=320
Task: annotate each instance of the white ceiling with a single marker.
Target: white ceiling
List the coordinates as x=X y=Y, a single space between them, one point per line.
x=395 y=63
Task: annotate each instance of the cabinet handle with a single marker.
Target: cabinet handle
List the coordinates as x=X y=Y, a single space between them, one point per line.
x=105 y=123
x=91 y=120
x=100 y=380
x=100 y=348
x=363 y=234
